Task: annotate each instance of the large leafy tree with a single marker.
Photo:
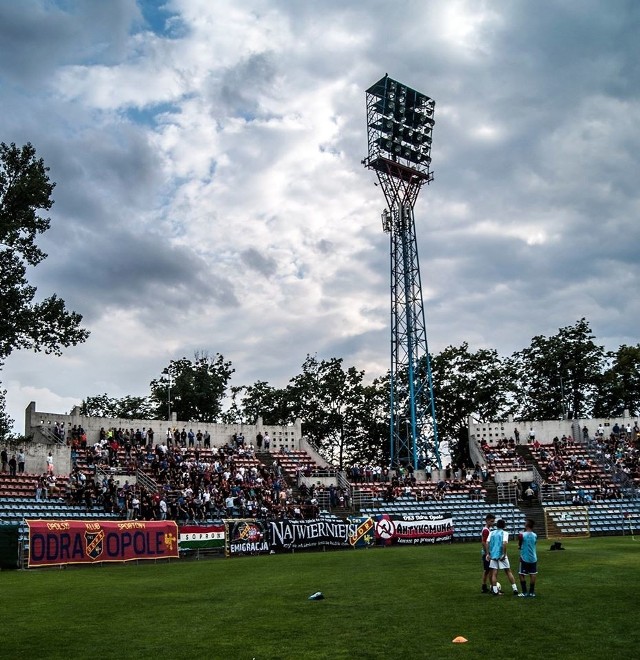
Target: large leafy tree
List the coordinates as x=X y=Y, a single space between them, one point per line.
x=465 y=384
x=346 y=418
x=559 y=375
x=6 y=423
x=45 y=325
x=249 y=402
x=311 y=399
x=196 y=388
x=127 y=407
x=372 y=440
x=620 y=385
x=25 y=190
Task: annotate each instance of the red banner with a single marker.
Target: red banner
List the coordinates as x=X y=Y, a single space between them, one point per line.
x=88 y=542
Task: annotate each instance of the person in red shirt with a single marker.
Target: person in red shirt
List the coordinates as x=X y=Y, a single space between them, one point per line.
x=489 y=521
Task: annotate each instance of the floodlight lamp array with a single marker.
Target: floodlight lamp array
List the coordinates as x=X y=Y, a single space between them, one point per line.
x=400 y=122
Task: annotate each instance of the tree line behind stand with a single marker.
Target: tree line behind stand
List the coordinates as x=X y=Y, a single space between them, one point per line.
x=345 y=411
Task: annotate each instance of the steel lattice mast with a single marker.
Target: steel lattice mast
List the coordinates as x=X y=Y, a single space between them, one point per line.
x=399 y=126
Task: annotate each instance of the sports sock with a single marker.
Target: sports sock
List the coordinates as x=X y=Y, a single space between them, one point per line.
x=523 y=586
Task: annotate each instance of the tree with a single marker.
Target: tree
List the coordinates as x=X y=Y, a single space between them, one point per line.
x=6 y=423
x=465 y=384
x=559 y=376
x=341 y=415
x=259 y=400
x=47 y=326
x=25 y=189
x=371 y=444
x=128 y=407
x=620 y=385
x=196 y=388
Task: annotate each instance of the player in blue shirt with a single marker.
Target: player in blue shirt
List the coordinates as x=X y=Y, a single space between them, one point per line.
x=528 y=559
x=498 y=540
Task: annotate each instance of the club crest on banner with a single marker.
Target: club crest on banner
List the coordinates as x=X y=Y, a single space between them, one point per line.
x=247 y=531
x=94 y=543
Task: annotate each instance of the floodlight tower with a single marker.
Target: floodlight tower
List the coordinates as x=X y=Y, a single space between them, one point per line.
x=399 y=125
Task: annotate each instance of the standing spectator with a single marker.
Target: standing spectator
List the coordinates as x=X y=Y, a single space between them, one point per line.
x=135 y=506
x=498 y=540
x=532 y=435
x=163 y=508
x=528 y=559
x=5 y=459
x=50 y=463
x=528 y=495
x=516 y=435
x=259 y=439
x=489 y=519
x=13 y=464
x=41 y=488
x=267 y=441
x=21 y=460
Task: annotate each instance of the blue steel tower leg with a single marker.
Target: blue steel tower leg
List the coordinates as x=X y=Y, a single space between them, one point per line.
x=413 y=431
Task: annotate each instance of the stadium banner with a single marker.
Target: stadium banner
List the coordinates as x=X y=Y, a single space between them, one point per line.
x=201 y=537
x=53 y=543
x=299 y=534
x=413 y=529
x=246 y=537
x=364 y=533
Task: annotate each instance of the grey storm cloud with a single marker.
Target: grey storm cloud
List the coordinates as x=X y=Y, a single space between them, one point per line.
x=36 y=37
x=141 y=273
x=254 y=259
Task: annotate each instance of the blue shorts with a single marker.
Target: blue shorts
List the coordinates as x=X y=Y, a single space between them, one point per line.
x=528 y=567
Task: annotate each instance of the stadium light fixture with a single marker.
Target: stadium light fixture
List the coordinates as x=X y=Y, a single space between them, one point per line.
x=400 y=121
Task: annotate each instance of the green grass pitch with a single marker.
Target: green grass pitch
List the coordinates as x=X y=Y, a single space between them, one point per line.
x=407 y=602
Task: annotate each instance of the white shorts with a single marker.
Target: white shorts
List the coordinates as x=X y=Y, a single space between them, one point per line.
x=500 y=563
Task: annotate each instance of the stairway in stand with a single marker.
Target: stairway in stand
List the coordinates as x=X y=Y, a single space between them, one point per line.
x=492 y=491
x=268 y=459
x=536 y=513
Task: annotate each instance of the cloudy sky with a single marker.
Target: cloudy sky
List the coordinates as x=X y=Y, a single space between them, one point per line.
x=210 y=193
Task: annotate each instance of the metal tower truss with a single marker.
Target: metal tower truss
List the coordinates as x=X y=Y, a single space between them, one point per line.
x=399 y=122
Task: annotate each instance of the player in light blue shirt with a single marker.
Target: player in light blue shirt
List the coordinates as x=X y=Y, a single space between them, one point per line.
x=498 y=540
x=528 y=559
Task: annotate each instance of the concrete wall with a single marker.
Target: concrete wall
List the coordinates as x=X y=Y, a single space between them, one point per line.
x=545 y=431
x=35 y=452
x=281 y=436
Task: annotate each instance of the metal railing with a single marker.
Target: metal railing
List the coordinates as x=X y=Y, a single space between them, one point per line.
x=145 y=480
x=48 y=434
